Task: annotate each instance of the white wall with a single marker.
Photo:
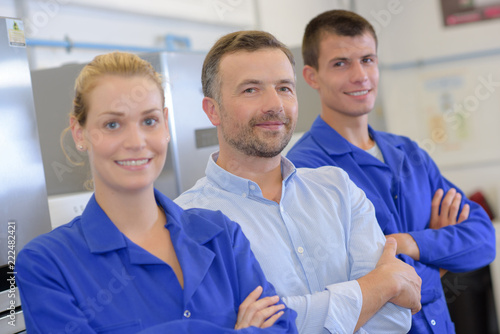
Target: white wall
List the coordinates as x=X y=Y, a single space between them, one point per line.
x=7 y=8
x=287 y=19
x=411 y=30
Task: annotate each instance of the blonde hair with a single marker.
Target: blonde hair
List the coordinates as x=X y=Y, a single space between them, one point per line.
x=114 y=63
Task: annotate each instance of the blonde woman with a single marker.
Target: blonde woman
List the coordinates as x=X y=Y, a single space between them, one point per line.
x=134 y=261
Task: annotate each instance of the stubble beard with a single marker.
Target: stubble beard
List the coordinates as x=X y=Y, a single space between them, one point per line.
x=248 y=142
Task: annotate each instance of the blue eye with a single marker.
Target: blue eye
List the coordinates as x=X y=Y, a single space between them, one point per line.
x=112 y=125
x=249 y=90
x=150 y=121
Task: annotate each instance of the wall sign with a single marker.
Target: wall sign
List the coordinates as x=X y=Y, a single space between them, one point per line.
x=457 y=12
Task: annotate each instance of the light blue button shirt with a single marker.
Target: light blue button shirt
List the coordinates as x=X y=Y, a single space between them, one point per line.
x=312 y=246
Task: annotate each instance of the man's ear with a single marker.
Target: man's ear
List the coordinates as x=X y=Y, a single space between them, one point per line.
x=310 y=76
x=211 y=108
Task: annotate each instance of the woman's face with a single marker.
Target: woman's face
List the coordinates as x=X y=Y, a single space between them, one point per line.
x=126 y=133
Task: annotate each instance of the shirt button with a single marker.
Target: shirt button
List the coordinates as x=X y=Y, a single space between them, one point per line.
x=433 y=322
x=252 y=187
x=395 y=196
x=300 y=250
x=187 y=314
x=244 y=195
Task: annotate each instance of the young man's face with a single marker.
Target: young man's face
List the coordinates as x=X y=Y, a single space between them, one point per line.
x=258 y=108
x=347 y=74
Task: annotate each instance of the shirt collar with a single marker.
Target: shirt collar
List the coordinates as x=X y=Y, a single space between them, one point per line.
x=334 y=144
x=102 y=235
x=239 y=185
x=99 y=231
x=331 y=141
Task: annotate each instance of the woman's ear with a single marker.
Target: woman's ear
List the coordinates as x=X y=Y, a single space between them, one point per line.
x=211 y=108
x=310 y=76
x=77 y=133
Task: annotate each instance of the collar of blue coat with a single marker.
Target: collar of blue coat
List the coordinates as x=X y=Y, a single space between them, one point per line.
x=334 y=144
x=102 y=235
x=239 y=185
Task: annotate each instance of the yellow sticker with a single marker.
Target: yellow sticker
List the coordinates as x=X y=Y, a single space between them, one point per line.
x=15 y=28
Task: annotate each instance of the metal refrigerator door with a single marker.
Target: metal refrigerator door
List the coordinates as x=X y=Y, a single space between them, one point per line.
x=23 y=196
x=193 y=137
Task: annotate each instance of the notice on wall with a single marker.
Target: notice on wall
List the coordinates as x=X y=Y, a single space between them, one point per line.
x=446 y=123
x=467 y=11
x=15 y=30
x=460 y=111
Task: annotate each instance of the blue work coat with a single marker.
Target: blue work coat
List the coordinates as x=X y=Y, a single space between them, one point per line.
x=88 y=277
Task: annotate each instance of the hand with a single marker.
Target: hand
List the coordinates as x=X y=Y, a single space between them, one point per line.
x=258 y=312
x=401 y=276
x=447 y=216
x=444 y=211
x=406 y=245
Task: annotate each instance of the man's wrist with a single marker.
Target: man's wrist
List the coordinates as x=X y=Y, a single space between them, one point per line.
x=382 y=281
x=411 y=247
x=407 y=245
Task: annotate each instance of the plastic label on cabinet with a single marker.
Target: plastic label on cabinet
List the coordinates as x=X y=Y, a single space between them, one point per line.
x=15 y=29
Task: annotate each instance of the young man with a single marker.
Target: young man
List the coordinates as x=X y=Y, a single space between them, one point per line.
x=401 y=180
x=313 y=231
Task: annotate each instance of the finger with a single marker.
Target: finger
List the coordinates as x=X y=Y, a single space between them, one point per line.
x=418 y=305
x=418 y=288
x=464 y=215
x=269 y=322
x=454 y=208
x=253 y=312
x=436 y=202
x=415 y=309
x=249 y=300
x=260 y=318
x=446 y=203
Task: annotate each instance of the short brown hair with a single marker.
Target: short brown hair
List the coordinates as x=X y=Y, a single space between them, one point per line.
x=339 y=22
x=248 y=40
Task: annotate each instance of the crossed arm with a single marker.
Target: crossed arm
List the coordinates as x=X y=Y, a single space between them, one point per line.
x=393 y=281
x=261 y=313
x=402 y=284
x=444 y=212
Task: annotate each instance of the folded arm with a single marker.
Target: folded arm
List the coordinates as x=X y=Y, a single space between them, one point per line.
x=461 y=241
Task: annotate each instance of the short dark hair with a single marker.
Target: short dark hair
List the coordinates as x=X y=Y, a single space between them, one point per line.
x=248 y=40
x=339 y=22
